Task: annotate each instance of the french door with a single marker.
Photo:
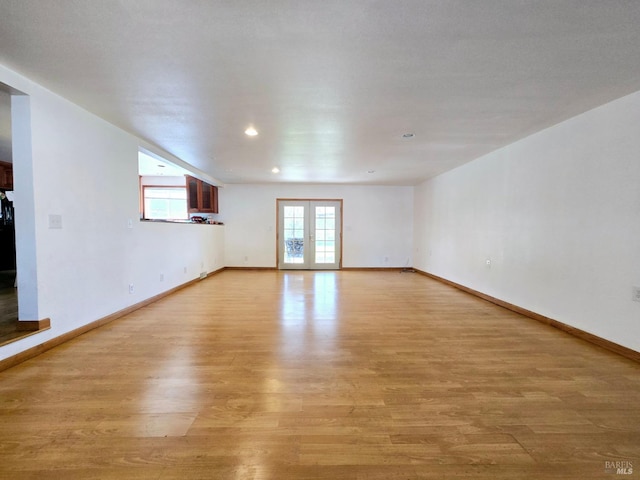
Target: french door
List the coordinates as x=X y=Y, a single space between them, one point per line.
x=309 y=234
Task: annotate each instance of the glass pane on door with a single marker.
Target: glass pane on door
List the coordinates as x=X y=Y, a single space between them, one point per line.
x=293 y=247
x=325 y=228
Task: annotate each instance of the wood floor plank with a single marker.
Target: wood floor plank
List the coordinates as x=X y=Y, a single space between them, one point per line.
x=320 y=375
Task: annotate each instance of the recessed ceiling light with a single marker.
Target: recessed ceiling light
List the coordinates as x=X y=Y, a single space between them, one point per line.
x=275 y=170
x=251 y=132
x=408 y=135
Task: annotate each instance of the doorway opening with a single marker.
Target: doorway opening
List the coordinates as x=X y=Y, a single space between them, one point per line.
x=16 y=135
x=309 y=234
x=8 y=284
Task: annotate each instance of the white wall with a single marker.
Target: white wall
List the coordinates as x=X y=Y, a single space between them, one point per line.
x=377 y=222
x=86 y=171
x=168 y=181
x=558 y=215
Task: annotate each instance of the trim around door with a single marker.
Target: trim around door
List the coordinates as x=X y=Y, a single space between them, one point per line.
x=280 y=246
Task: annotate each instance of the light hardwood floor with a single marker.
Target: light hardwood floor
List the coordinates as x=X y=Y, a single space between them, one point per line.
x=321 y=375
x=8 y=307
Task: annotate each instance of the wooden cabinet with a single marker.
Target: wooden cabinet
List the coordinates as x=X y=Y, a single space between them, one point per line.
x=6 y=176
x=192 y=194
x=209 y=198
x=201 y=197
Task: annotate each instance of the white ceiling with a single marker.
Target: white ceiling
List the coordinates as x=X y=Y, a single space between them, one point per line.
x=331 y=85
x=151 y=165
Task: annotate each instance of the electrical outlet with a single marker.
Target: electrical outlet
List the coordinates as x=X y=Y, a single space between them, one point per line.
x=131 y=288
x=162 y=277
x=55 y=222
x=185 y=269
x=636 y=294
x=203 y=275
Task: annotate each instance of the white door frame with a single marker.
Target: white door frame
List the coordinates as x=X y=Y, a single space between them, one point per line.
x=309 y=262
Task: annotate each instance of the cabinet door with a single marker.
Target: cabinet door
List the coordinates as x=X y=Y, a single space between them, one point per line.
x=207 y=198
x=215 y=199
x=6 y=176
x=193 y=194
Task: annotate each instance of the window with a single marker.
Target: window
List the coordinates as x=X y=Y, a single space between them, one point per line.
x=165 y=202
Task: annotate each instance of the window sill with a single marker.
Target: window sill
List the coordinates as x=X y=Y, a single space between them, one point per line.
x=189 y=222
